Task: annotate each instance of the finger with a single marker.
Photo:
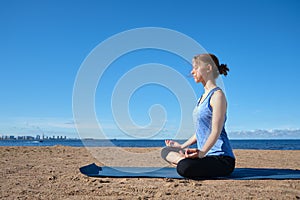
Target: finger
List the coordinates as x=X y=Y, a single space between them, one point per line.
x=192 y=155
x=171 y=143
x=167 y=142
x=180 y=152
x=186 y=153
x=190 y=151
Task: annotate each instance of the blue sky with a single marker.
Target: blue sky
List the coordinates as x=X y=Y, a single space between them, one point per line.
x=43 y=44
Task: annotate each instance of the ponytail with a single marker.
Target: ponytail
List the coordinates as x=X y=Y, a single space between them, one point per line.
x=223 y=69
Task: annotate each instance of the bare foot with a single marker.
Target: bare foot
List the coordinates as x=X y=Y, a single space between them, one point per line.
x=174 y=157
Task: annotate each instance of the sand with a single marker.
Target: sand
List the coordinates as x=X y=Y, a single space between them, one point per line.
x=53 y=173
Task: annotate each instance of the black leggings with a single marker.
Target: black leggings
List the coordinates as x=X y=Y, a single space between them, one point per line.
x=207 y=167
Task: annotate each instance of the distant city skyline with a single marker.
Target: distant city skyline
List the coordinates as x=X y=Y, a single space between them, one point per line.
x=30 y=137
x=254 y=134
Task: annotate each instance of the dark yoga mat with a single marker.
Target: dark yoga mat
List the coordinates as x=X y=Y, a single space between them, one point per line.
x=168 y=172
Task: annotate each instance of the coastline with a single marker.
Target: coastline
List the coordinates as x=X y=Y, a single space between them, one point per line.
x=53 y=173
x=259 y=144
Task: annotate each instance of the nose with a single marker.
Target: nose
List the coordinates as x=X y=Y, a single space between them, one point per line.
x=192 y=72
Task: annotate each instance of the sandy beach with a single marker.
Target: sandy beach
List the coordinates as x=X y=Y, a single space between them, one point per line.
x=53 y=173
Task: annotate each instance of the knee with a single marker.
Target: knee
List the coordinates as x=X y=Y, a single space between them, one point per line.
x=183 y=168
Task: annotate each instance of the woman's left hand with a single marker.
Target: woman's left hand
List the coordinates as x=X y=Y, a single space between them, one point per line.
x=194 y=153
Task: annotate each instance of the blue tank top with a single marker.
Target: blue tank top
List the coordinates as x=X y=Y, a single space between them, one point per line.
x=202 y=116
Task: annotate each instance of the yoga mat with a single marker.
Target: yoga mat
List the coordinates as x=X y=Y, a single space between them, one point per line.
x=169 y=172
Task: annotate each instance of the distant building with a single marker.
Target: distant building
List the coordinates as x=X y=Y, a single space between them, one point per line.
x=20 y=137
x=12 y=137
x=29 y=138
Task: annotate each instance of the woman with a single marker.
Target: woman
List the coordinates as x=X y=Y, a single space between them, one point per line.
x=213 y=156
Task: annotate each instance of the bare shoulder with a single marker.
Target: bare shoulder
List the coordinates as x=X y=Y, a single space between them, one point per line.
x=218 y=97
x=218 y=94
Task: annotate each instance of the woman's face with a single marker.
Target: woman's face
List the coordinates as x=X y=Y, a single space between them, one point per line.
x=199 y=72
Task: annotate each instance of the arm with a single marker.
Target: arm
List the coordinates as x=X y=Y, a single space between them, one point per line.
x=219 y=105
x=189 y=142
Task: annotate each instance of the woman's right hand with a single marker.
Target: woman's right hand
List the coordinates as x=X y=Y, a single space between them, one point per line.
x=171 y=143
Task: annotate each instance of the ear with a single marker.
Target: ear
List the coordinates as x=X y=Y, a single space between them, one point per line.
x=209 y=67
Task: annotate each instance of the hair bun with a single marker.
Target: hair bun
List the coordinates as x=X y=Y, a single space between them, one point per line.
x=223 y=69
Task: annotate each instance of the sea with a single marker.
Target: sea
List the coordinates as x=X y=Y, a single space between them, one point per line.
x=261 y=144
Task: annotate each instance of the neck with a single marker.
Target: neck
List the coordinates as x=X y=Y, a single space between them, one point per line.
x=209 y=85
